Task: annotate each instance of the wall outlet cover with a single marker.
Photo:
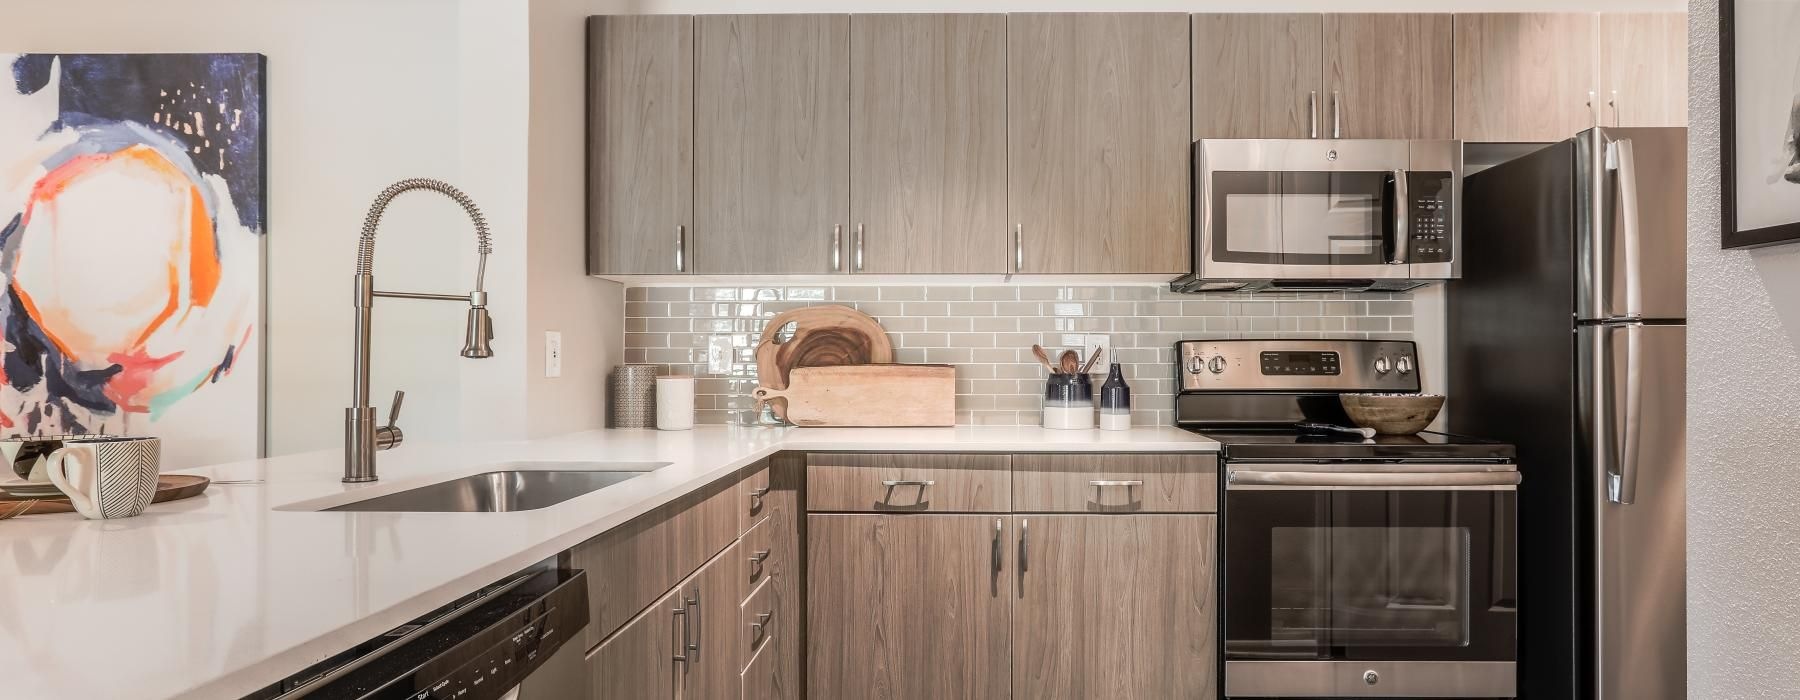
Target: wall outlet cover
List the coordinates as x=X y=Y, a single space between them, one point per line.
x=719 y=354
x=553 y=356
x=1101 y=342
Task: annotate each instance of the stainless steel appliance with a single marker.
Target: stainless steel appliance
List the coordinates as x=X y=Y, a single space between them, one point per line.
x=1567 y=337
x=1307 y=214
x=1353 y=567
x=511 y=641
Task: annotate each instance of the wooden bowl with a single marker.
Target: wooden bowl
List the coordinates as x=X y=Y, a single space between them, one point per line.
x=1392 y=414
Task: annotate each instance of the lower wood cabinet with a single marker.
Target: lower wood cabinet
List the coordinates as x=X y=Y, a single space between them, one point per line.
x=1115 y=606
x=908 y=606
x=685 y=645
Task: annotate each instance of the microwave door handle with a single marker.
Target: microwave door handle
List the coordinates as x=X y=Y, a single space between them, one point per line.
x=1402 y=231
x=1623 y=162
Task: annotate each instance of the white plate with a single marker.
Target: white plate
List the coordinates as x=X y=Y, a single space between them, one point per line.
x=30 y=489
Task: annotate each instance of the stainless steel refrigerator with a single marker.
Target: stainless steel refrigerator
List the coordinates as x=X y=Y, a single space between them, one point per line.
x=1567 y=338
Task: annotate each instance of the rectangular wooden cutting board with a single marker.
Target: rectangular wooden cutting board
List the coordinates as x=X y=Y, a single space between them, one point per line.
x=868 y=396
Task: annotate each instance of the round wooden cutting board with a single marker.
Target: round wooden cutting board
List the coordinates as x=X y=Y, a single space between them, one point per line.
x=169 y=487
x=824 y=336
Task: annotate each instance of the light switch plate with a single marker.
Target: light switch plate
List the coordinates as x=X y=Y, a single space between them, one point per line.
x=552 y=354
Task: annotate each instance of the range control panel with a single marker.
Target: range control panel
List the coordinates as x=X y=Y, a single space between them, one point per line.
x=1432 y=217
x=1298 y=365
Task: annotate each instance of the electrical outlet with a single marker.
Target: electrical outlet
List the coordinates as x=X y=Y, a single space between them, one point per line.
x=718 y=354
x=1101 y=342
x=553 y=354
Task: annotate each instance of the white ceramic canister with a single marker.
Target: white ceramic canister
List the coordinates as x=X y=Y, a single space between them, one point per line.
x=675 y=402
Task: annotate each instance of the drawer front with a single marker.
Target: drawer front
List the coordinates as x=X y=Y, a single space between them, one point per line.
x=757 y=620
x=633 y=564
x=754 y=496
x=1115 y=483
x=759 y=680
x=865 y=483
x=762 y=557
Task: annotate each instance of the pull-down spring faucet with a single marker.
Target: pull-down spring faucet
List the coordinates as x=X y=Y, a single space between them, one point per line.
x=362 y=438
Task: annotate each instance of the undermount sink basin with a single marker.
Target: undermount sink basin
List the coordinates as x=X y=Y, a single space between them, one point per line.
x=500 y=491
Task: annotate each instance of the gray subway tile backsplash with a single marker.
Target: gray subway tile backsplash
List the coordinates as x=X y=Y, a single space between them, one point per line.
x=987 y=332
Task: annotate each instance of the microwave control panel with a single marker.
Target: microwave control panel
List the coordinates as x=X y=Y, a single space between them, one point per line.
x=1432 y=216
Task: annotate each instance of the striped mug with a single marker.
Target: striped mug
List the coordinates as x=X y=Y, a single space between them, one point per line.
x=106 y=477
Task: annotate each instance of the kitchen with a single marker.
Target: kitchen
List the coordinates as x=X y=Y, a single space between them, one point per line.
x=722 y=182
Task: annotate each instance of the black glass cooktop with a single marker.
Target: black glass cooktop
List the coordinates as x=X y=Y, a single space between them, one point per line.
x=1292 y=445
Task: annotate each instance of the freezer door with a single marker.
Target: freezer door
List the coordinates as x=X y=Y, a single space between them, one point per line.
x=1631 y=242
x=1633 y=422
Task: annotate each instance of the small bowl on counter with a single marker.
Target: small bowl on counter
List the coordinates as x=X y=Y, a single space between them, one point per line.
x=1392 y=414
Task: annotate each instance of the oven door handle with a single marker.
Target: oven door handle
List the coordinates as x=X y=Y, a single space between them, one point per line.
x=1375 y=481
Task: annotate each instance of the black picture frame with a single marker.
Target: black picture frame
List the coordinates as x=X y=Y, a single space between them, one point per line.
x=1731 y=236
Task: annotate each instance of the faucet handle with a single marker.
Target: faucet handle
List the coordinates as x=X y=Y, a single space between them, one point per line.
x=390 y=436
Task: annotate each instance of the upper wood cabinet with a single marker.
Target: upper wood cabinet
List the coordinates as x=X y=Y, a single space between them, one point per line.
x=1258 y=75
x=1098 y=140
x=772 y=143
x=928 y=143
x=1643 y=69
x=1524 y=77
x=1388 y=76
x=908 y=606
x=1115 y=606
x=640 y=114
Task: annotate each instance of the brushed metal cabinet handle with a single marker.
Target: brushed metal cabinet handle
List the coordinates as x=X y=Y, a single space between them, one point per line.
x=1127 y=483
x=1337 y=116
x=891 y=483
x=1312 y=114
x=683 y=647
x=762 y=622
x=699 y=627
x=996 y=547
x=1024 y=545
x=837 y=248
x=1593 y=105
x=1018 y=248
x=680 y=248
x=856 y=255
x=756 y=497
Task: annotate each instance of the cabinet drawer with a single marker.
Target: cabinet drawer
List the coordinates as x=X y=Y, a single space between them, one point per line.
x=1115 y=483
x=757 y=619
x=633 y=564
x=753 y=502
x=759 y=680
x=763 y=558
x=907 y=483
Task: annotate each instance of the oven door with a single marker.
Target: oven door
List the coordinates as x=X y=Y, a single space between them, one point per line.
x=1369 y=580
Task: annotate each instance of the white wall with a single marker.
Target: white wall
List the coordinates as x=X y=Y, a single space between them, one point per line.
x=1743 y=428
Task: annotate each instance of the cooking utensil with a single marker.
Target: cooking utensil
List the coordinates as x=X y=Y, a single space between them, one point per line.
x=1392 y=414
x=169 y=487
x=1331 y=429
x=1070 y=361
x=1043 y=357
x=1092 y=359
x=881 y=395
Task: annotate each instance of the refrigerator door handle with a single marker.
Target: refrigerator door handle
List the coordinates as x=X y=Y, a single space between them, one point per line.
x=1621 y=487
x=1626 y=231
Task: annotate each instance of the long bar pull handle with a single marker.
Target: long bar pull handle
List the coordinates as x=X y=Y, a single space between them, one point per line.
x=1127 y=483
x=681 y=248
x=1337 y=116
x=1024 y=545
x=1621 y=159
x=1018 y=262
x=996 y=548
x=1593 y=104
x=837 y=248
x=1622 y=483
x=891 y=483
x=1402 y=220
x=856 y=255
x=1312 y=114
x=699 y=626
x=1612 y=102
x=683 y=646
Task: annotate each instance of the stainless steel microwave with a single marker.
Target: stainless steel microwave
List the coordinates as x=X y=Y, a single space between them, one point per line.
x=1316 y=214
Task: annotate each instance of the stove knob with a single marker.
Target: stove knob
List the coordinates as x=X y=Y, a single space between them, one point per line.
x=1217 y=364
x=1403 y=365
x=1381 y=365
x=1195 y=364
x=1371 y=677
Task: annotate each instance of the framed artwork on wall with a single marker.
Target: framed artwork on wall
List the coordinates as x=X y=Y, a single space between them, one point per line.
x=1759 y=110
x=133 y=213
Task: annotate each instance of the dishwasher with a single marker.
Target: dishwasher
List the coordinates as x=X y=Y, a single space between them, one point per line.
x=508 y=641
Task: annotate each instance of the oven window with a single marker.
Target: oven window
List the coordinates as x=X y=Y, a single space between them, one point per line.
x=1301 y=218
x=1392 y=575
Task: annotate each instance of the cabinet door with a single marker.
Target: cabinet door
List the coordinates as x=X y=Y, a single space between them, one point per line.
x=641 y=144
x=1098 y=132
x=772 y=143
x=1258 y=76
x=1115 y=606
x=928 y=143
x=638 y=663
x=908 y=606
x=1643 y=68
x=1524 y=77
x=1387 y=76
x=715 y=592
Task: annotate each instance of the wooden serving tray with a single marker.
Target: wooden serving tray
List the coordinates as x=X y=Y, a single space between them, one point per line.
x=169 y=487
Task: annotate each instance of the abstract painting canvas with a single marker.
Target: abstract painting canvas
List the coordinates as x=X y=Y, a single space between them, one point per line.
x=132 y=219
x=1760 y=114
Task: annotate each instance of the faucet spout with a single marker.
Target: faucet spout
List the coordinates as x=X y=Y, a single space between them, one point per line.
x=361 y=440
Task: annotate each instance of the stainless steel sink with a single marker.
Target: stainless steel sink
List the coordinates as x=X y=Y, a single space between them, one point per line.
x=501 y=491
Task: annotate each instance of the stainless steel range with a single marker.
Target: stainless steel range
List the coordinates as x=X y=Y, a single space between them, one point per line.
x=1353 y=566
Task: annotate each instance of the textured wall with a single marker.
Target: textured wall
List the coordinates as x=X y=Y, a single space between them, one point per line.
x=987 y=332
x=1743 y=429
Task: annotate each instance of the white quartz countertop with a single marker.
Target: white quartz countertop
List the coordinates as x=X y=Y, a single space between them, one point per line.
x=223 y=594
